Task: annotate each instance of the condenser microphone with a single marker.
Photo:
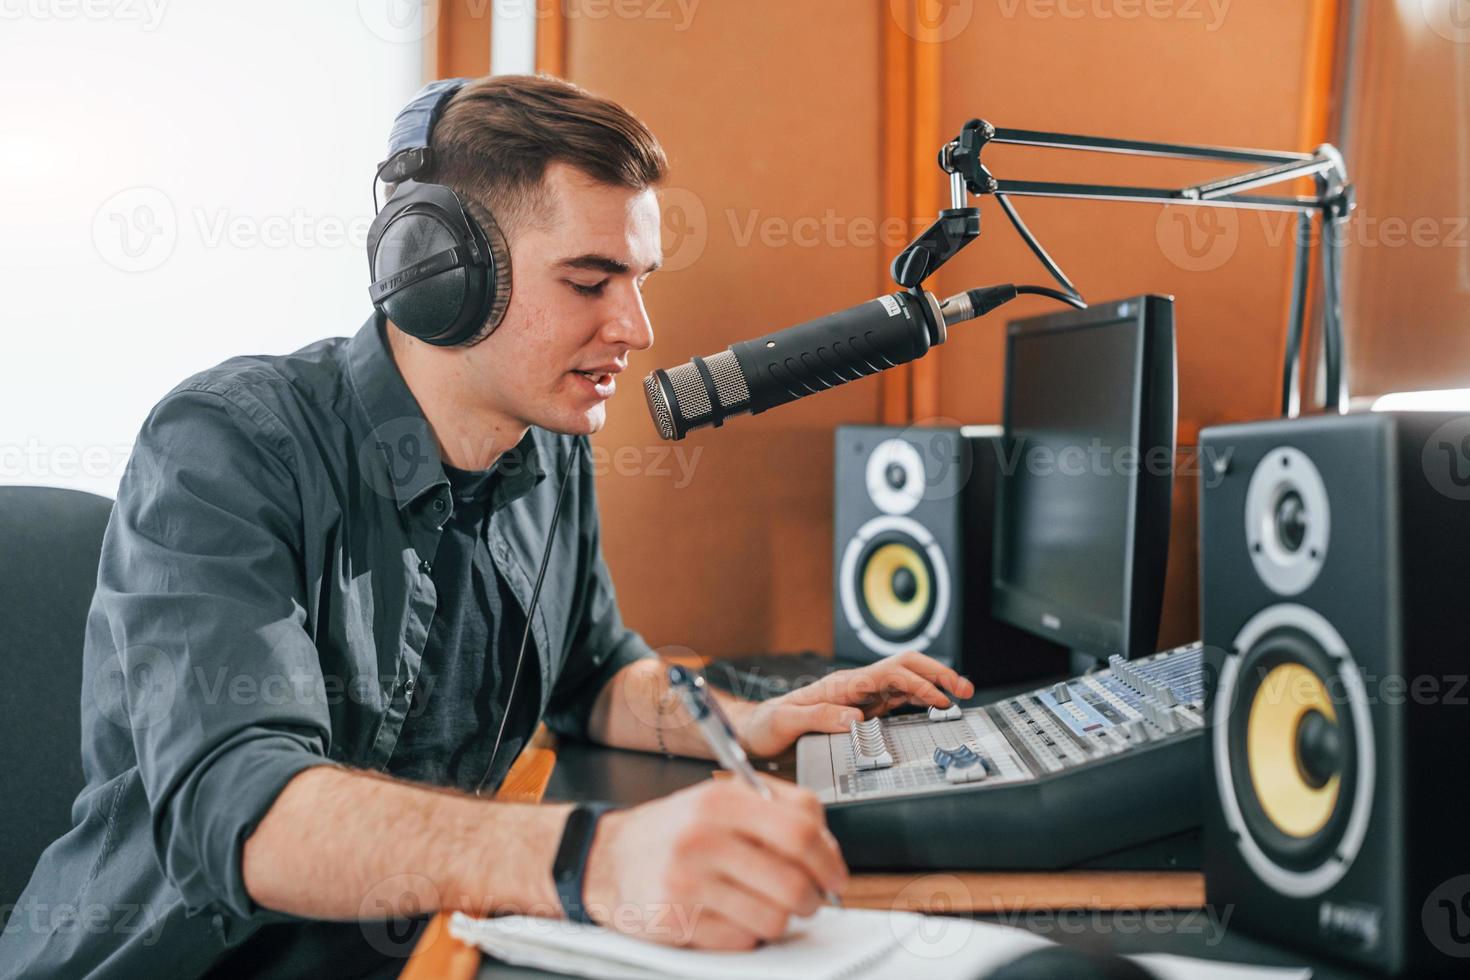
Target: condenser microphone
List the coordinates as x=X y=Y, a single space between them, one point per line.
x=757 y=375
x=761 y=374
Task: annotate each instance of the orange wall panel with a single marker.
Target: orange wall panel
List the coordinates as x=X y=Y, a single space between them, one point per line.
x=458 y=43
x=781 y=205
x=769 y=111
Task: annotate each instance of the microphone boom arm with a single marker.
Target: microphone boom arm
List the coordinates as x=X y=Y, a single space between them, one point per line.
x=959 y=225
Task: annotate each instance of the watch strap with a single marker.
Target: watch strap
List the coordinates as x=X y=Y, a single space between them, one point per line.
x=569 y=869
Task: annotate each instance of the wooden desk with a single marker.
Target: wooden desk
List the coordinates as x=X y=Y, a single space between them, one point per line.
x=438 y=956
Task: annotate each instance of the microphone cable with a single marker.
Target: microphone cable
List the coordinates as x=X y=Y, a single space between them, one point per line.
x=530 y=614
x=1069 y=293
x=1071 y=299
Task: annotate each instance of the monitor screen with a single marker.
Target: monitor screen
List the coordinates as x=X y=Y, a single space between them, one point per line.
x=1081 y=458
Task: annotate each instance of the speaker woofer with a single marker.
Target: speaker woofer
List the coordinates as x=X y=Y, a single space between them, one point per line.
x=1293 y=750
x=894 y=585
x=1289 y=797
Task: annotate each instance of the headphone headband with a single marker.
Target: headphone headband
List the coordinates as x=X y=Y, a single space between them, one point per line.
x=439 y=266
x=408 y=144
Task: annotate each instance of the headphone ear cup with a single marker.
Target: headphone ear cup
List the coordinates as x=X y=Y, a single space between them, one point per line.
x=434 y=268
x=427 y=309
x=484 y=223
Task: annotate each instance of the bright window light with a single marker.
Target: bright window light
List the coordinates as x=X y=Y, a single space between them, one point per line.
x=1445 y=400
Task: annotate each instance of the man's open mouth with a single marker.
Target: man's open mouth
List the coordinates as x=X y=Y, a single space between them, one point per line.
x=602 y=383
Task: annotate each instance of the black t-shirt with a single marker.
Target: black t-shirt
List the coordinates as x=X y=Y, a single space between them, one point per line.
x=470 y=658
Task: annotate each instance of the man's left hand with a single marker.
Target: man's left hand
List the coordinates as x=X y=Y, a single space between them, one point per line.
x=833 y=703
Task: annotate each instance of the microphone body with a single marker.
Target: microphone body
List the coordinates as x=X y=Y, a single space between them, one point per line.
x=757 y=375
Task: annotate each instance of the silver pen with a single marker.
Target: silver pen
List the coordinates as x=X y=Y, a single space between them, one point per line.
x=720 y=736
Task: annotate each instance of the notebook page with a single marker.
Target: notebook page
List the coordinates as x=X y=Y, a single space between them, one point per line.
x=834 y=944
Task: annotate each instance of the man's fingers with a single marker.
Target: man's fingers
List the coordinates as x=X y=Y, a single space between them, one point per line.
x=792 y=721
x=787 y=825
x=770 y=880
x=860 y=688
x=834 y=718
x=827 y=689
x=908 y=677
x=804 y=840
x=903 y=685
x=868 y=686
x=729 y=897
x=710 y=930
x=937 y=673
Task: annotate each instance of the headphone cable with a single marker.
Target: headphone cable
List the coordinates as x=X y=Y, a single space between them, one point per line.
x=530 y=614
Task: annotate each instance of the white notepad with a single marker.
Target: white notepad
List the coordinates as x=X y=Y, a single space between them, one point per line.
x=829 y=946
x=834 y=944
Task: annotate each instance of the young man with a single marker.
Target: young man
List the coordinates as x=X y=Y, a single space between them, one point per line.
x=301 y=656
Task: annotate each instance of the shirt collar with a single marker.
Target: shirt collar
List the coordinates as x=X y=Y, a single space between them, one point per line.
x=517 y=471
x=400 y=454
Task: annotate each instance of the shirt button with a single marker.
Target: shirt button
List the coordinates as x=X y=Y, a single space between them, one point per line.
x=408 y=686
x=426 y=566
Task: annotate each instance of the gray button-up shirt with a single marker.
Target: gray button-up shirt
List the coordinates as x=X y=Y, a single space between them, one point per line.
x=263 y=600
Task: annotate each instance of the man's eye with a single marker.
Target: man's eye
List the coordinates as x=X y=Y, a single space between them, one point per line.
x=594 y=290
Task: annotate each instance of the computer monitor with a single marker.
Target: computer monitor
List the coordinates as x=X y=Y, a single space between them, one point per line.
x=1087 y=472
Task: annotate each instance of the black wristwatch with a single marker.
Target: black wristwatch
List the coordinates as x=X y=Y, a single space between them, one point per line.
x=570 y=865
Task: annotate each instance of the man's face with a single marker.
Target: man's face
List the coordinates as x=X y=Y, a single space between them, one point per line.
x=576 y=306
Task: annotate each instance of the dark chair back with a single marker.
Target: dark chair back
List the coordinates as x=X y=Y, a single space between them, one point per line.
x=49 y=543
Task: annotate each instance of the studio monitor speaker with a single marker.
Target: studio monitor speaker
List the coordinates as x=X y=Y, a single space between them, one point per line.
x=914 y=511
x=1335 y=584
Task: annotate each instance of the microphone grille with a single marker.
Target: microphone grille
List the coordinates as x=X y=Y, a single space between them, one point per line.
x=689 y=393
x=679 y=400
x=730 y=386
x=658 y=407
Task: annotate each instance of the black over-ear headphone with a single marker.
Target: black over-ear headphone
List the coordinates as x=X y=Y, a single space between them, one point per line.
x=440 y=265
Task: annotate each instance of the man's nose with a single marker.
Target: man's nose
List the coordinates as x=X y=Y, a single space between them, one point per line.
x=629 y=324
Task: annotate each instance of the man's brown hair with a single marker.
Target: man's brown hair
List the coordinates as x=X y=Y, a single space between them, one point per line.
x=498 y=134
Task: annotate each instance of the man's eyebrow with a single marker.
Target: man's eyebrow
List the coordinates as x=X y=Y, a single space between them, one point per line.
x=603 y=263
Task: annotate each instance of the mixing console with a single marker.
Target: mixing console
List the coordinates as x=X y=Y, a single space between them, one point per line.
x=1081 y=769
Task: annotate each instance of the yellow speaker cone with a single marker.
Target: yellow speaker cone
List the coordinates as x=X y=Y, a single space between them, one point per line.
x=1288 y=694
x=896 y=587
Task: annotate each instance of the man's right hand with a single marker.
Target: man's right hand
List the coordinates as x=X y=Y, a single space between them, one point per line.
x=714 y=866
